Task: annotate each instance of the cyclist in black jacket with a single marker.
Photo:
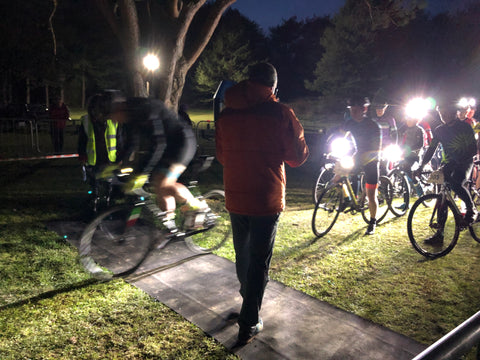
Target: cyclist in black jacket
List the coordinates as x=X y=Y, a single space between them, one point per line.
x=368 y=140
x=459 y=147
x=157 y=145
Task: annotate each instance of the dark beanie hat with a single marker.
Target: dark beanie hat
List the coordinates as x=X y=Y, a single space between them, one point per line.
x=263 y=73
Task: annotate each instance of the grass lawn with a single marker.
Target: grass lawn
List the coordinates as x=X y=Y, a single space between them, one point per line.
x=378 y=277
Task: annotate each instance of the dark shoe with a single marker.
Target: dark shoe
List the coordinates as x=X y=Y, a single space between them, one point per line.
x=401 y=207
x=246 y=335
x=436 y=239
x=471 y=216
x=371 y=227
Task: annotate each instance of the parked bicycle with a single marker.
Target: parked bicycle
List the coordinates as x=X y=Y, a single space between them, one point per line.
x=119 y=240
x=434 y=231
x=404 y=188
x=340 y=197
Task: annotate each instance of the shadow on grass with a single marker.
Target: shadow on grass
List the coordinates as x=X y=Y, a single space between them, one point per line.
x=50 y=294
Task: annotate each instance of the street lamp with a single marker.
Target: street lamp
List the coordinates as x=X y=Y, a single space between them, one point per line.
x=151 y=63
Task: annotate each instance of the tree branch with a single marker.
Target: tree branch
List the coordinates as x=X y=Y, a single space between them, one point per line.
x=109 y=14
x=50 y=26
x=210 y=23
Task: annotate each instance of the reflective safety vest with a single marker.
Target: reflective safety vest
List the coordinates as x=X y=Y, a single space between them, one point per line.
x=110 y=141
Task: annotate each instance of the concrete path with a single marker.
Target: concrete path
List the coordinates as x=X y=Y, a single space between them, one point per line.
x=204 y=290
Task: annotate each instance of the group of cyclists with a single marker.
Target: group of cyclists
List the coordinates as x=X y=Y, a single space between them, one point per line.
x=143 y=135
x=443 y=137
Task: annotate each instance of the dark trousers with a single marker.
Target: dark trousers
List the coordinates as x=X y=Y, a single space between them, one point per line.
x=253 y=239
x=57 y=139
x=455 y=174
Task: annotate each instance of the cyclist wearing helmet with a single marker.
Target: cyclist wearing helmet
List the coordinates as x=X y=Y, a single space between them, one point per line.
x=368 y=139
x=459 y=147
x=157 y=144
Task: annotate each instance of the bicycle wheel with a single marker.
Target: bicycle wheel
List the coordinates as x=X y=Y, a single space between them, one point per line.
x=475 y=227
x=428 y=188
x=384 y=188
x=325 y=175
x=327 y=210
x=117 y=242
x=432 y=230
x=399 y=193
x=217 y=221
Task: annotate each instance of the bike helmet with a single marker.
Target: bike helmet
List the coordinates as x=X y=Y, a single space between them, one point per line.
x=103 y=104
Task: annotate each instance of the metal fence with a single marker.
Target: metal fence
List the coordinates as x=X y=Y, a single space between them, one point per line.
x=25 y=139
x=22 y=138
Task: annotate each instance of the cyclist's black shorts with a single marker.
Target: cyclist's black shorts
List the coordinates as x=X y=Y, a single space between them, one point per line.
x=371 y=172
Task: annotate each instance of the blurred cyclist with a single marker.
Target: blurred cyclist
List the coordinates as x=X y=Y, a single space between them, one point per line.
x=157 y=145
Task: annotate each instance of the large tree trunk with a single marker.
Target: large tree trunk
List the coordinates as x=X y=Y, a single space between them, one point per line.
x=170 y=21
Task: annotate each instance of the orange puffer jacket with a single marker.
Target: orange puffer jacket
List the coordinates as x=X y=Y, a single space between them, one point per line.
x=255 y=136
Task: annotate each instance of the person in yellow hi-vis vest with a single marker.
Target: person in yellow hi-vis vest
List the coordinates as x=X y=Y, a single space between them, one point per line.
x=98 y=144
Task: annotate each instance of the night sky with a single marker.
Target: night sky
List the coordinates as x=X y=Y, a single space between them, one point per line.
x=268 y=13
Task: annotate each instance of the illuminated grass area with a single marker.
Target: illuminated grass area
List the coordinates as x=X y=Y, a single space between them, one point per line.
x=377 y=277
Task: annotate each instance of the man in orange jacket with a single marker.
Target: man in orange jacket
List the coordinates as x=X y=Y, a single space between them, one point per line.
x=255 y=136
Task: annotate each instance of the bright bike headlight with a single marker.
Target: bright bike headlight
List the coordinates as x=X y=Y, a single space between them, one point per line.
x=340 y=147
x=347 y=162
x=418 y=108
x=392 y=153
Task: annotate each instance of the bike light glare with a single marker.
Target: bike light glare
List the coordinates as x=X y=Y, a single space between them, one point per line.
x=466 y=102
x=126 y=170
x=340 y=147
x=417 y=108
x=392 y=153
x=347 y=162
x=463 y=102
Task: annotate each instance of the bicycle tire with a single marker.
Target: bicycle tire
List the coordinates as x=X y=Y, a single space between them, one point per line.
x=427 y=188
x=475 y=227
x=384 y=186
x=399 y=193
x=117 y=242
x=326 y=210
x=218 y=222
x=322 y=180
x=419 y=231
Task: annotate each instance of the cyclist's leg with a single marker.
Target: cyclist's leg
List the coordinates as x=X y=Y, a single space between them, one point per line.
x=456 y=175
x=167 y=189
x=371 y=186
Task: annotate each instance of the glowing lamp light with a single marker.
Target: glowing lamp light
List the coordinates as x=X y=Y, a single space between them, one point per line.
x=340 y=147
x=417 y=108
x=151 y=62
x=347 y=162
x=465 y=102
x=392 y=153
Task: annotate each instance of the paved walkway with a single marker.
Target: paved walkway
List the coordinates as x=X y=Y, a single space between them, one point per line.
x=204 y=290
